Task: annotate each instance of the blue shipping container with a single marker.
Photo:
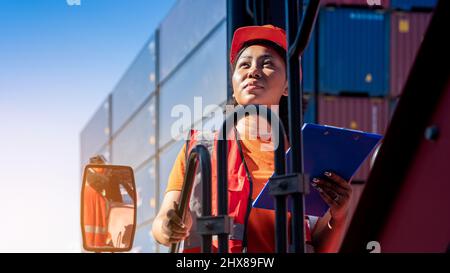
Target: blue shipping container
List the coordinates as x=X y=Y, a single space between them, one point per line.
x=413 y=4
x=354 y=51
x=309 y=117
x=308 y=65
x=308 y=59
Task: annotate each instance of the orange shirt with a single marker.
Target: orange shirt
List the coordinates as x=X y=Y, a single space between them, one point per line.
x=260 y=231
x=261 y=224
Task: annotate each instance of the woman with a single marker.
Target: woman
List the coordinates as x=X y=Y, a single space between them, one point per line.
x=259 y=77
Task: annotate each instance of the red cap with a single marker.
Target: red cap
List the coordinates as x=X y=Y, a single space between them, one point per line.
x=250 y=33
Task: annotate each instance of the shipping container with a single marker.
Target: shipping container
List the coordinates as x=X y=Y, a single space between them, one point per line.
x=143 y=240
x=184 y=28
x=308 y=65
x=167 y=159
x=361 y=3
x=354 y=51
x=309 y=112
x=146 y=192
x=407 y=32
x=364 y=114
x=413 y=4
x=187 y=98
x=136 y=85
x=308 y=61
x=136 y=142
x=96 y=134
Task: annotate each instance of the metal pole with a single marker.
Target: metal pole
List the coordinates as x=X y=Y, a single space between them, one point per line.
x=222 y=185
x=205 y=163
x=280 y=224
x=280 y=203
x=295 y=121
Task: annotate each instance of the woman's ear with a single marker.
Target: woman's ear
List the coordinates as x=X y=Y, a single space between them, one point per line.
x=285 y=91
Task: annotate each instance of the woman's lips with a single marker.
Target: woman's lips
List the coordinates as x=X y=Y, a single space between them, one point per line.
x=251 y=87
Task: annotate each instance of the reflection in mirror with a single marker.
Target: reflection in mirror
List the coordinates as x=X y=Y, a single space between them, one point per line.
x=108 y=208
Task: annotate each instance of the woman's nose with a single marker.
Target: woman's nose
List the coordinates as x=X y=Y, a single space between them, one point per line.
x=254 y=72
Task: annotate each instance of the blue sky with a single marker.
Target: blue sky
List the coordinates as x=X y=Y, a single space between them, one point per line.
x=57 y=64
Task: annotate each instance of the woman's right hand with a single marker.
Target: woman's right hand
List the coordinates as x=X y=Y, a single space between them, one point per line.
x=174 y=229
x=168 y=226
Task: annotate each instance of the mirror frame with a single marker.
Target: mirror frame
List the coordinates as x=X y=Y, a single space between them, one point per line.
x=109 y=249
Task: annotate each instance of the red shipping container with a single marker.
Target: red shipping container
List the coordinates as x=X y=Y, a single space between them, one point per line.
x=364 y=114
x=362 y=3
x=407 y=32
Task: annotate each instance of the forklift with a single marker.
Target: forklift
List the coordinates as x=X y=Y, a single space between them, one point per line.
x=397 y=194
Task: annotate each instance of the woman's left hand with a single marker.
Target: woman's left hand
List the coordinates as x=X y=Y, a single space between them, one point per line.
x=336 y=192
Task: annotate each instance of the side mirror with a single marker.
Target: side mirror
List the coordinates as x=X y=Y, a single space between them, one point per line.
x=108 y=208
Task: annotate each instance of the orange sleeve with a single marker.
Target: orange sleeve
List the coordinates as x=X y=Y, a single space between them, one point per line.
x=176 y=176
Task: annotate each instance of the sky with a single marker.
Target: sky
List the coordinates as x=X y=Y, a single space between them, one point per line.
x=58 y=62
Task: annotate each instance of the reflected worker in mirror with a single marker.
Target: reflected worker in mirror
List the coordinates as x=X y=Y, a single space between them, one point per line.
x=96 y=205
x=108 y=207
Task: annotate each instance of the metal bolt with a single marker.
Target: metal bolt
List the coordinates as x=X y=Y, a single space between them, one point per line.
x=432 y=133
x=209 y=225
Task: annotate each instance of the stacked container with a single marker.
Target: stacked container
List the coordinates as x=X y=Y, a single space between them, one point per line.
x=364 y=114
x=393 y=4
x=96 y=135
x=413 y=4
x=365 y=49
x=308 y=65
x=354 y=61
x=361 y=3
x=407 y=32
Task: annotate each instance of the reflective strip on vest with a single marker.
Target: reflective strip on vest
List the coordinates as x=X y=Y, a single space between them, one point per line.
x=95 y=229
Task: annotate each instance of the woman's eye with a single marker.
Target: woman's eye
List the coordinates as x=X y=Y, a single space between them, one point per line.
x=244 y=65
x=268 y=63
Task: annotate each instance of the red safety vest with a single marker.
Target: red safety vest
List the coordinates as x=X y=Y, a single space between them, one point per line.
x=239 y=193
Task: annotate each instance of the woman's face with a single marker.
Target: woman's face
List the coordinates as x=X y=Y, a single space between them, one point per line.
x=259 y=77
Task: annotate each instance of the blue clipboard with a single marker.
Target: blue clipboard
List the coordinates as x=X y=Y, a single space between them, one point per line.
x=326 y=148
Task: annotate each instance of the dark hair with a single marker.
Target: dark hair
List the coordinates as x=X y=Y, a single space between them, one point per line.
x=283 y=104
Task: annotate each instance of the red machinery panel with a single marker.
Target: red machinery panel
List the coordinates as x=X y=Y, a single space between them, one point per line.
x=419 y=220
